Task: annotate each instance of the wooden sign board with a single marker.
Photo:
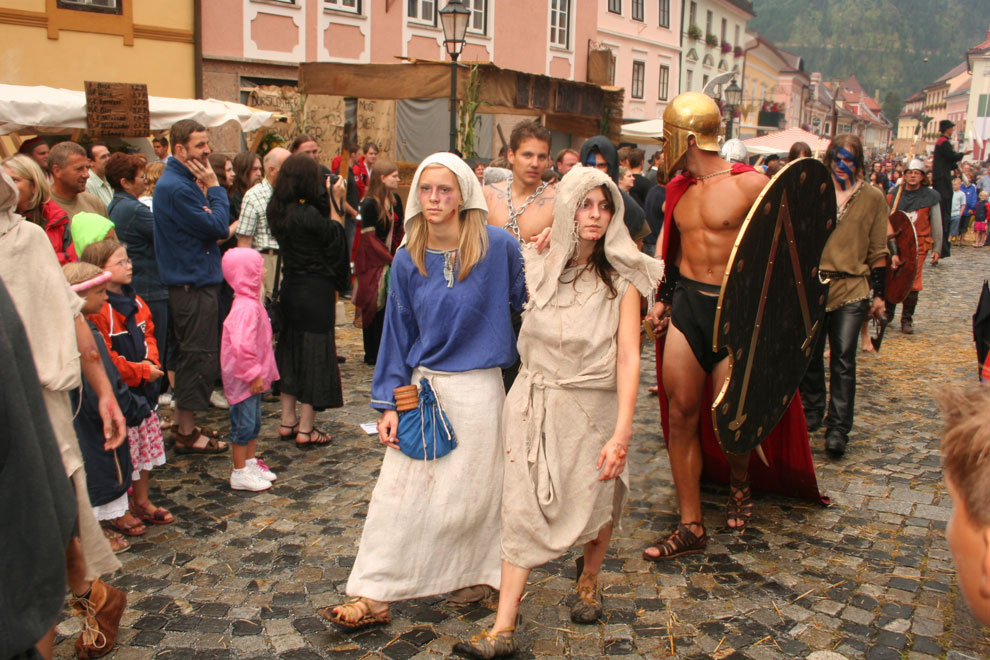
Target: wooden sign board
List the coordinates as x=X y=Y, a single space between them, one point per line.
x=117 y=109
x=376 y=122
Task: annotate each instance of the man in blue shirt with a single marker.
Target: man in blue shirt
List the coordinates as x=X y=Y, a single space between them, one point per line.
x=187 y=228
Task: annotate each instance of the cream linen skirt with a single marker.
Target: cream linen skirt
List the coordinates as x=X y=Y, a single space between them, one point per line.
x=433 y=526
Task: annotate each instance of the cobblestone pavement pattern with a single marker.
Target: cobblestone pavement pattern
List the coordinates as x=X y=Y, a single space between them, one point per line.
x=241 y=575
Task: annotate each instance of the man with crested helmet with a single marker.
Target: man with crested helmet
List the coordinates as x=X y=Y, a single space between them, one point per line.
x=706 y=206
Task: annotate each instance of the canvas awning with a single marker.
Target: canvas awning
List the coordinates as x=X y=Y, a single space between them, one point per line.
x=781 y=142
x=643 y=132
x=563 y=105
x=47 y=110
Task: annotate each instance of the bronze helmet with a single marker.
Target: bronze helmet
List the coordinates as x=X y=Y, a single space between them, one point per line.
x=690 y=113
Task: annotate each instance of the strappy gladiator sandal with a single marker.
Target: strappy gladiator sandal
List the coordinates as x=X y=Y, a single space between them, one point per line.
x=740 y=505
x=355 y=614
x=588 y=607
x=488 y=644
x=682 y=541
x=314 y=438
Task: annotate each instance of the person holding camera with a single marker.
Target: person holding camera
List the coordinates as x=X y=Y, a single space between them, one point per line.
x=314 y=266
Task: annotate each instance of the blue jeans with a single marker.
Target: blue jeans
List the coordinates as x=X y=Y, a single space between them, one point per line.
x=245 y=420
x=954 y=225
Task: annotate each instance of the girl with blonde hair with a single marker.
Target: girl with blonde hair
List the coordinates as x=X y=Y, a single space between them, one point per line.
x=433 y=525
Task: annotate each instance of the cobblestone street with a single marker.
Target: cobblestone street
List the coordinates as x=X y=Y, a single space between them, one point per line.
x=241 y=575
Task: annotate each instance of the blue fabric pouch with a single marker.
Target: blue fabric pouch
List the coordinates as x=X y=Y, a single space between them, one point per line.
x=425 y=432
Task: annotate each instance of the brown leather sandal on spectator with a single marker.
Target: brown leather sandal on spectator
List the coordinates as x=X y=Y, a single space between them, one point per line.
x=186 y=444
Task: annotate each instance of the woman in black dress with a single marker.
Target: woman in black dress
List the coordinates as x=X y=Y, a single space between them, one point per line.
x=315 y=265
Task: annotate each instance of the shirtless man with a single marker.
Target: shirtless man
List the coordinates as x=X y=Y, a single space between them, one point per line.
x=523 y=205
x=529 y=209
x=707 y=218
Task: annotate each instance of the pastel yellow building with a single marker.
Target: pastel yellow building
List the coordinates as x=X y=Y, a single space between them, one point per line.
x=63 y=43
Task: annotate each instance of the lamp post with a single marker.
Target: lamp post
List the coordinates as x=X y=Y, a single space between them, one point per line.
x=454 y=20
x=733 y=99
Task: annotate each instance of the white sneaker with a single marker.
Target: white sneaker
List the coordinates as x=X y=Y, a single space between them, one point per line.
x=218 y=400
x=248 y=479
x=261 y=468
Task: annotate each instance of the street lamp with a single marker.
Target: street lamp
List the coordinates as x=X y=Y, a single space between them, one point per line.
x=733 y=99
x=454 y=19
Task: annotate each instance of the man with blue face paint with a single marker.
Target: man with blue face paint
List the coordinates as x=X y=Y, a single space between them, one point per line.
x=854 y=261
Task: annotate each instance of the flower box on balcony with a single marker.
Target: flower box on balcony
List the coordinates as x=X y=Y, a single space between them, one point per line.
x=738 y=51
x=694 y=32
x=711 y=40
x=726 y=47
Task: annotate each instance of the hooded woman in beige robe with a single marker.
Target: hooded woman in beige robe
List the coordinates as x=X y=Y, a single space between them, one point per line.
x=567 y=422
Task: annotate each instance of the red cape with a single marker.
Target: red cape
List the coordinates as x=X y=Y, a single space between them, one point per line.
x=787 y=448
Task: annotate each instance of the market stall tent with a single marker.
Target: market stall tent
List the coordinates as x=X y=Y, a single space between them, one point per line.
x=781 y=142
x=643 y=132
x=48 y=110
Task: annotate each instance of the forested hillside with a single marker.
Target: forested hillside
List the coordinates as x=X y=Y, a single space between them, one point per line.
x=896 y=46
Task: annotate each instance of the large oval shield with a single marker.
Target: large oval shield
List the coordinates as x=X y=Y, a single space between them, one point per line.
x=772 y=302
x=899 y=282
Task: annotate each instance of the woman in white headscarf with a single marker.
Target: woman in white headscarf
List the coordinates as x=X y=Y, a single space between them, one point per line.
x=433 y=525
x=567 y=421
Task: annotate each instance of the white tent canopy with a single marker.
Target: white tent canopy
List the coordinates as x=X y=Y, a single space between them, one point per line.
x=47 y=110
x=781 y=141
x=643 y=132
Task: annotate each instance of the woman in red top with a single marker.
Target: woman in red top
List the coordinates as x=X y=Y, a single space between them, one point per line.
x=36 y=204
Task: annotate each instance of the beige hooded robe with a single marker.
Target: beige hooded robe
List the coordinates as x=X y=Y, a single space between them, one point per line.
x=563 y=405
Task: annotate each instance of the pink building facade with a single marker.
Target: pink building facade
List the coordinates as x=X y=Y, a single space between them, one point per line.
x=644 y=38
x=247 y=43
x=252 y=43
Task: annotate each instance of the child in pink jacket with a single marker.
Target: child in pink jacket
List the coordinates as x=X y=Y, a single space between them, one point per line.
x=247 y=365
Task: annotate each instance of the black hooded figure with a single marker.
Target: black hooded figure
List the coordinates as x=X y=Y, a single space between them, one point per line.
x=634 y=217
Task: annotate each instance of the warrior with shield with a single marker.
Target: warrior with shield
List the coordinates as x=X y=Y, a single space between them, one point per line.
x=706 y=206
x=920 y=203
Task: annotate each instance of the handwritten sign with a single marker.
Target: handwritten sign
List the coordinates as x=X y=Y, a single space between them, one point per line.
x=376 y=122
x=117 y=109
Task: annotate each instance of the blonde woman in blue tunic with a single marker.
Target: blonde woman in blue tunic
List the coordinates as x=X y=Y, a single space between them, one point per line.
x=433 y=526
x=567 y=422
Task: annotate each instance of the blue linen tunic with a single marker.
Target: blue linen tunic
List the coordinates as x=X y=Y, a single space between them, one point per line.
x=454 y=329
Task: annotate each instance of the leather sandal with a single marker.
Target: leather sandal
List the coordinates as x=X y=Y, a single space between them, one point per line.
x=740 y=505
x=186 y=444
x=361 y=615
x=149 y=513
x=293 y=431
x=203 y=430
x=488 y=644
x=117 y=541
x=682 y=541
x=126 y=527
x=316 y=438
x=588 y=607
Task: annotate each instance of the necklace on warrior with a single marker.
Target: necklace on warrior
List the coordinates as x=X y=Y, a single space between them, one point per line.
x=714 y=174
x=513 y=223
